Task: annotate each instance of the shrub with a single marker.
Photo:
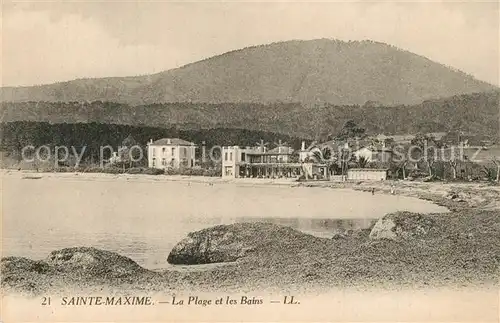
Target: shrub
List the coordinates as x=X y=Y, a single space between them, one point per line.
x=153 y=171
x=416 y=173
x=93 y=170
x=301 y=178
x=107 y=170
x=171 y=171
x=192 y=172
x=135 y=170
x=63 y=169
x=212 y=172
x=113 y=170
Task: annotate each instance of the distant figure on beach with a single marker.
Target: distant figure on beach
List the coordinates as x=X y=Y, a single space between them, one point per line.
x=392 y=189
x=373 y=191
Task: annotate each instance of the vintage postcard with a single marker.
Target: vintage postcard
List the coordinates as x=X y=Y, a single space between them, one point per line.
x=250 y=161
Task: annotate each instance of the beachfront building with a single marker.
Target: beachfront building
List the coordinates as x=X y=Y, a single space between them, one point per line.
x=402 y=139
x=171 y=153
x=259 y=162
x=304 y=153
x=374 y=154
x=367 y=174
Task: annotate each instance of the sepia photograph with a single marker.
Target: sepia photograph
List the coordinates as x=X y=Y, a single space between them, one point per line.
x=250 y=161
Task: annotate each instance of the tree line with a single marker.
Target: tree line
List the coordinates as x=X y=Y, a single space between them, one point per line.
x=475 y=113
x=93 y=135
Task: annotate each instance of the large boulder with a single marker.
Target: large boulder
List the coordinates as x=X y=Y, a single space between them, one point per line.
x=25 y=275
x=343 y=234
x=228 y=243
x=401 y=226
x=24 y=265
x=88 y=261
x=458 y=197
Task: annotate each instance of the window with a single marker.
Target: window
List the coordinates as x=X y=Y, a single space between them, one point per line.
x=163 y=150
x=230 y=156
x=164 y=162
x=173 y=151
x=225 y=156
x=192 y=163
x=154 y=152
x=154 y=161
x=242 y=156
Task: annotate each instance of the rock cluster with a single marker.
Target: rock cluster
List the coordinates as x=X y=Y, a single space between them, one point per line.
x=401 y=226
x=93 y=262
x=70 y=264
x=458 y=197
x=228 y=243
x=350 y=233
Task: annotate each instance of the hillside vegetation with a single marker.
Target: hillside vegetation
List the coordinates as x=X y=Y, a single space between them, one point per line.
x=476 y=113
x=314 y=71
x=92 y=136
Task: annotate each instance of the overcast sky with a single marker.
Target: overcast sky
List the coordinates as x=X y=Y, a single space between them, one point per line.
x=54 y=41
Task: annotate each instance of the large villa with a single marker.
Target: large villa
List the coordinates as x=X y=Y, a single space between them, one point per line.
x=171 y=152
x=258 y=162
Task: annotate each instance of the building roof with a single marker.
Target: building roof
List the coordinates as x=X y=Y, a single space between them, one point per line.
x=368 y=169
x=171 y=142
x=396 y=138
x=437 y=135
x=333 y=145
x=376 y=148
x=480 y=154
x=285 y=150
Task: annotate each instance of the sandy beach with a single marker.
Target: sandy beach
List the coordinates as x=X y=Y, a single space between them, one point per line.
x=475 y=194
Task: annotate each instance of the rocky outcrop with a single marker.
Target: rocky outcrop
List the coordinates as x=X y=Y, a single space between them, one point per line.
x=92 y=262
x=21 y=264
x=401 y=226
x=79 y=266
x=350 y=234
x=457 y=197
x=23 y=274
x=227 y=243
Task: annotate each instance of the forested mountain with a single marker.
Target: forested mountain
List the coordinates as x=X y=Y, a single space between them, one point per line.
x=476 y=113
x=314 y=71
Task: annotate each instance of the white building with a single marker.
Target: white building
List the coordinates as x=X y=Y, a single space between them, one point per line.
x=366 y=174
x=373 y=153
x=171 y=153
x=259 y=162
x=304 y=153
x=232 y=157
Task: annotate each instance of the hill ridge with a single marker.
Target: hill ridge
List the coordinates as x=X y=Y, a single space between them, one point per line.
x=307 y=71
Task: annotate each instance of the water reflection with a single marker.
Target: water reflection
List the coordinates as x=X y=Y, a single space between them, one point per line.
x=325 y=228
